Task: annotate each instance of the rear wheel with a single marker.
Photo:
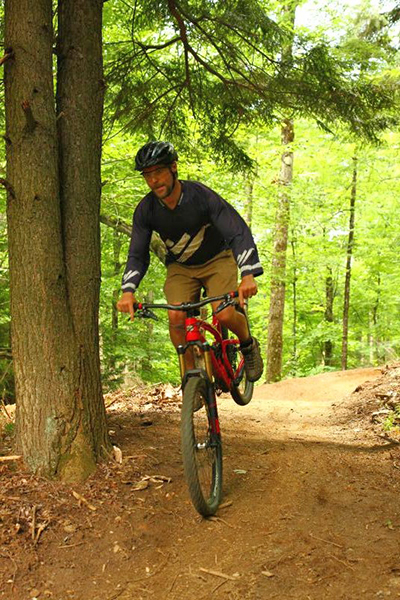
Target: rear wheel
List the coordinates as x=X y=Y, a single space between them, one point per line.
x=201 y=449
x=241 y=389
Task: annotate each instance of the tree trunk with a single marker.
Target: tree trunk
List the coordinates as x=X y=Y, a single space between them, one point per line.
x=294 y=291
x=43 y=342
x=80 y=94
x=248 y=209
x=373 y=339
x=329 y=296
x=278 y=269
x=350 y=245
x=54 y=253
x=117 y=242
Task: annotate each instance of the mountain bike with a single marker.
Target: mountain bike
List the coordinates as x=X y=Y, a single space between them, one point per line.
x=219 y=367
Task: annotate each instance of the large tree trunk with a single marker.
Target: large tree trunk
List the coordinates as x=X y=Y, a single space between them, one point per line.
x=43 y=341
x=80 y=92
x=60 y=415
x=350 y=244
x=278 y=269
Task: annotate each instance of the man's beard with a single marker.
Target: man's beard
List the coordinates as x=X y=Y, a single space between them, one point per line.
x=167 y=191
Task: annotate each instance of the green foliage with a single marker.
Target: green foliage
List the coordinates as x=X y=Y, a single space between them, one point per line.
x=198 y=71
x=221 y=97
x=9 y=429
x=392 y=420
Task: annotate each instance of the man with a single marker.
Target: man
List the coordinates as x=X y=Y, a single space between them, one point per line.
x=206 y=240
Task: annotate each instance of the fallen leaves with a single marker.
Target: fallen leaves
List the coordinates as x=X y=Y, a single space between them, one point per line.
x=147 y=479
x=83 y=500
x=33 y=520
x=145 y=398
x=267 y=574
x=233 y=577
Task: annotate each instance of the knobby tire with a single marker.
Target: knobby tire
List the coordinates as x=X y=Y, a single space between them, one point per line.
x=201 y=451
x=241 y=392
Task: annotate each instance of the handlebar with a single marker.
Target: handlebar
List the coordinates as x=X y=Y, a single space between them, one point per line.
x=145 y=311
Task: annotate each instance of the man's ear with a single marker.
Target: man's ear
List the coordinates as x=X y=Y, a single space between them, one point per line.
x=174 y=167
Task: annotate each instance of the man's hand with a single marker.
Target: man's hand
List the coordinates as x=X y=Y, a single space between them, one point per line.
x=247 y=289
x=125 y=303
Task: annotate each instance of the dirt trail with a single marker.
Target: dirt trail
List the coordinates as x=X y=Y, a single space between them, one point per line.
x=311 y=510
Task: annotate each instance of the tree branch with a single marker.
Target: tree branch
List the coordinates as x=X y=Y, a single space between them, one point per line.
x=156 y=245
x=182 y=28
x=9 y=54
x=159 y=46
x=8 y=187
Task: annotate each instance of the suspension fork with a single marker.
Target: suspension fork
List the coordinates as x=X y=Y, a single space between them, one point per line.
x=206 y=350
x=210 y=391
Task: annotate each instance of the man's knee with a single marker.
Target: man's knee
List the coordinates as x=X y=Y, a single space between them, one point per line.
x=176 y=319
x=226 y=316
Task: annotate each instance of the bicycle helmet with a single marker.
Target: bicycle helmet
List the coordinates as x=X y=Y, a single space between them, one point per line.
x=155 y=153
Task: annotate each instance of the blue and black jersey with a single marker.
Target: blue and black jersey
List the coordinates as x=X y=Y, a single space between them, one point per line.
x=200 y=226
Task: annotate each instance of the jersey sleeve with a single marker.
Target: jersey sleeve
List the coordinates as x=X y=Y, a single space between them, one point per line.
x=236 y=233
x=139 y=251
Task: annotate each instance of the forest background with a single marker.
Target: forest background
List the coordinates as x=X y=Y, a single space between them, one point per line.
x=344 y=197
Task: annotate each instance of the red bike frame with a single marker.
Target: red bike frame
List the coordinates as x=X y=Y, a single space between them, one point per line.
x=218 y=365
x=221 y=367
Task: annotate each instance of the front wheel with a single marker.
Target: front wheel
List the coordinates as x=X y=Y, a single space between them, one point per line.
x=201 y=448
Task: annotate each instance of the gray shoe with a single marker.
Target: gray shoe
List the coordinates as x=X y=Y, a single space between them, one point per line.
x=253 y=363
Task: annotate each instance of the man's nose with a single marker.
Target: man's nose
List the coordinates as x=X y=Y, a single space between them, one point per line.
x=152 y=176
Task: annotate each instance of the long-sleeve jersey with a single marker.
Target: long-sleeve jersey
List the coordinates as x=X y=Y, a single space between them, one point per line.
x=200 y=226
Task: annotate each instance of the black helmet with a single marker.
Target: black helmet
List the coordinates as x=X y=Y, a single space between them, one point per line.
x=155 y=153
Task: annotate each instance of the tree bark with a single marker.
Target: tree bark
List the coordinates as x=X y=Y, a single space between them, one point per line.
x=80 y=94
x=54 y=252
x=248 y=209
x=329 y=297
x=294 y=291
x=43 y=341
x=350 y=245
x=116 y=294
x=373 y=338
x=278 y=268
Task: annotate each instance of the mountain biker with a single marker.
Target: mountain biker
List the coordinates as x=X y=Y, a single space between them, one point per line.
x=206 y=241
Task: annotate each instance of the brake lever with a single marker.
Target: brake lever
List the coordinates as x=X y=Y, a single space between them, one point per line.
x=224 y=305
x=146 y=313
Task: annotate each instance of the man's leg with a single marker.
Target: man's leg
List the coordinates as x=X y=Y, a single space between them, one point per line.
x=177 y=334
x=180 y=286
x=235 y=321
x=220 y=278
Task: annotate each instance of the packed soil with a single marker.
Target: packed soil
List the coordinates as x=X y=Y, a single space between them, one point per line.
x=310 y=509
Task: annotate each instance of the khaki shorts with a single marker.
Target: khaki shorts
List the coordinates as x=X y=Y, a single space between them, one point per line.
x=218 y=276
